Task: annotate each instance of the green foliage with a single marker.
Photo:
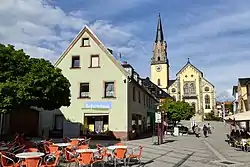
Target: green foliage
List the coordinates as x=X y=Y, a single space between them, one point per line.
x=177 y=110
x=26 y=82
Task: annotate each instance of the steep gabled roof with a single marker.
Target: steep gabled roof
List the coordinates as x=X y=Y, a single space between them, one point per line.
x=155 y=90
x=98 y=42
x=244 y=81
x=187 y=64
x=170 y=82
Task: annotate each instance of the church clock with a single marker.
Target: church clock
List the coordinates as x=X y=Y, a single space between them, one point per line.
x=158 y=68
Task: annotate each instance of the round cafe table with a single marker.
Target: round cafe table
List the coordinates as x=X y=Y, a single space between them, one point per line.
x=62 y=144
x=79 y=139
x=87 y=150
x=27 y=155
x=115 y=147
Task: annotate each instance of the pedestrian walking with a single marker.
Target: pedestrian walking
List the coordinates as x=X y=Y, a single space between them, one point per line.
x=209 y=128
x=205 y=129
x=197 y=131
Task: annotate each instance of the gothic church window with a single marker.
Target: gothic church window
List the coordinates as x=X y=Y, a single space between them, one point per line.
x=159 y=82
x=206 y=89
x=158 y=58
x=173 y=90
x=192 y=88
x=174 y=98
x=185 y=89
x=207 y=102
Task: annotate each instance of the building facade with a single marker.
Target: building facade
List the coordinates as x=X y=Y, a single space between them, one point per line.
x=105 y=95
x=190 y=84
x=242 y=94
x=235 y=101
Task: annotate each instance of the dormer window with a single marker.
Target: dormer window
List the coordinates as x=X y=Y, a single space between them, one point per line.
x=140 y=83
x=129 y=70
x=85 y=42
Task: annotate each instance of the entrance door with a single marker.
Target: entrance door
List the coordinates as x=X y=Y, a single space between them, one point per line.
x=98 y=124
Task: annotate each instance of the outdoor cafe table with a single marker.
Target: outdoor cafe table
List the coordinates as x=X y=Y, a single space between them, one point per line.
x=87 y=150
x=79 y=139
x=116 y=147
x=62 y=144
x=27 y=155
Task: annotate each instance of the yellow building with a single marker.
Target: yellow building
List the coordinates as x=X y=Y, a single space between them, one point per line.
x=242 y=94
x=105 y=95
x=189 y=85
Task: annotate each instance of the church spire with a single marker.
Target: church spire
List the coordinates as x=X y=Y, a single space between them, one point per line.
x=159 y=31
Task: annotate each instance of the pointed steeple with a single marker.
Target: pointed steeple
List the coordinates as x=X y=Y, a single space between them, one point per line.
x=159 y=32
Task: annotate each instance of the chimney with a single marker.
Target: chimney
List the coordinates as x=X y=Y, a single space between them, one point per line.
x=110 y=51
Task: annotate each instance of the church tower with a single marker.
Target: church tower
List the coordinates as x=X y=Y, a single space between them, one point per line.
x=159 y=61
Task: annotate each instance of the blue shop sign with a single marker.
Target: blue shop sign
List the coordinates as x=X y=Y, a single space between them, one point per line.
x=98 y=105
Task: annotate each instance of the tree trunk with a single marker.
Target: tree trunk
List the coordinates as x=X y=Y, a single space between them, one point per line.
x=2 y=124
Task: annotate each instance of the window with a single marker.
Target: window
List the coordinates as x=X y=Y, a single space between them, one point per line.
x=84 y=90
x=109 y=89
x=206 y=89
x=75 y=62
x=85 y=42
x=192 y=75
x=207 y=102
x=174 y=98
x=186 y=76
x=95 y=61
x=159 y=82
x=173 y=90
x=185 y=88
x=134 y=94
x=139 y=96
x=192 y=88
x=158 y=58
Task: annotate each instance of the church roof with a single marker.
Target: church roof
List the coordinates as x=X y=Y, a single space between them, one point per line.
x=244 y=81
x=188 y=63
x=159 y=31
x=170 y=82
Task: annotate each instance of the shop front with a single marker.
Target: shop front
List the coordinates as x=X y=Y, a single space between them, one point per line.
x=96 y=117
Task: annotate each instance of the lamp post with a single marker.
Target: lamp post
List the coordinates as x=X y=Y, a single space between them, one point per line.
x=162 y=126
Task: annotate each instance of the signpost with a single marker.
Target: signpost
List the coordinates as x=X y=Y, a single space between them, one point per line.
x=158 y=121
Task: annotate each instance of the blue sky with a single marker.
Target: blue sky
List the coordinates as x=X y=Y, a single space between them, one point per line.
x=213 y=34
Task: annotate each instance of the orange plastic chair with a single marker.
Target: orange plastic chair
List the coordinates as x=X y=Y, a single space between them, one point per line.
x=86 y=158
x=119 y=155
x=32 y=162
x=54 y=164
x=70 y=156
x=31 y=150
x=74 y=143
x=53 y=149
x=135 y=156
x=83 y=147
x=6 y=161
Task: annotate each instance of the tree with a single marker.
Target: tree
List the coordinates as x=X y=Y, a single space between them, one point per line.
x=177 y=110
x=30 y=82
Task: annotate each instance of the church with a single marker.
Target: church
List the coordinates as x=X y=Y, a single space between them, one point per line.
x=189 y=85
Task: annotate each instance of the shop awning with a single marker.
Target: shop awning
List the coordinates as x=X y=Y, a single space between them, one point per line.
x=244 y=116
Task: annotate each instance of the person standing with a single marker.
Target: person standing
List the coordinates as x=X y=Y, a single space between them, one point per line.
x=205 y=129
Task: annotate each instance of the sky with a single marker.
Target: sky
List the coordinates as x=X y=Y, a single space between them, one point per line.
x=213 y=34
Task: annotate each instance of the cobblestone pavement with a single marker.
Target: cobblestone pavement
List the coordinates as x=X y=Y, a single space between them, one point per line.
x=189 y=151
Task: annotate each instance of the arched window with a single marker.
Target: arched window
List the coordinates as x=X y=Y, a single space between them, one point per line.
x=173 y=90
x=174 y=98
x=159 y=82
x=185 y=88
x=158 y=58
x=192 y=88
x=207 y=102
